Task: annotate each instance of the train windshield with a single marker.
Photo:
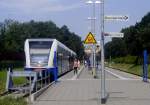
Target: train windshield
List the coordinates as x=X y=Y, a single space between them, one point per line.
x=39 y=53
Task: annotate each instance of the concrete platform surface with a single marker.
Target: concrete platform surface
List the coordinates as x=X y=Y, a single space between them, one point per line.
x=86 y=91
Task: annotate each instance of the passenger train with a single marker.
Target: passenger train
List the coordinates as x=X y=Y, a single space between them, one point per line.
x=48 y=54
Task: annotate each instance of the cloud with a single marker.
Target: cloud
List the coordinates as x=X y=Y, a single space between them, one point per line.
x=36 y=6
x=60 y=8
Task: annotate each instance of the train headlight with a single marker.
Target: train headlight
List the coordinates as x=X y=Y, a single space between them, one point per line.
x=39 y=63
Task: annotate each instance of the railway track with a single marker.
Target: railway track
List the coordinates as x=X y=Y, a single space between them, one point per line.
x=17 y=92
x=4 y=93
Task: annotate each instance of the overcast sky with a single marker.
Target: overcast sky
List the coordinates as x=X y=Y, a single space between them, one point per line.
x=74 y=13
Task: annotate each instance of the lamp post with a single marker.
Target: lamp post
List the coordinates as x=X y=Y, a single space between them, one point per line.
x=93 y=18
x=104 y=95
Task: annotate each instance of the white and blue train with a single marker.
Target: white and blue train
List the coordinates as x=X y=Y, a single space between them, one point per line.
x=44 y=57
x=48 y=54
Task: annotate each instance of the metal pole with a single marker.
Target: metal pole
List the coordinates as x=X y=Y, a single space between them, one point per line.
x=93 y=56
x=41 y=79
x=103 y=90
x=30 y=91
x=94 y=65
x=94 y=18
x=45 y=77
x=92 y=29
x=145 y=69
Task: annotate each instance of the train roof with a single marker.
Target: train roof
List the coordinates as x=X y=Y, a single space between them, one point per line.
x=40 y=39
x=49 y=39
x=65 y=47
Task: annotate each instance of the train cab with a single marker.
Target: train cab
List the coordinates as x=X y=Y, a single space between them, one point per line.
x=37 y=53
x=43 y=54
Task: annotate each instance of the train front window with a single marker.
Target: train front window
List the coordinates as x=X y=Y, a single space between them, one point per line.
x=39 y=53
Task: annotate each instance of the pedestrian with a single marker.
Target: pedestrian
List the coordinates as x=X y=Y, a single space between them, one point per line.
x=85 y=63
x=78 y=64
x=75 y=66
x=89 y=64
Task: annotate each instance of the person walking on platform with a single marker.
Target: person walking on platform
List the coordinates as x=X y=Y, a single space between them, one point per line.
x=89 y=64
x=85 y=63
x=78 y=64
x=75 y=66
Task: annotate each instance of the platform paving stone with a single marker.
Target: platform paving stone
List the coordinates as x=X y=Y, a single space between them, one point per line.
x=86 y=91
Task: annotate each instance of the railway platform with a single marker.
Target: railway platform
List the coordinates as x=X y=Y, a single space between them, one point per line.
x=123 y=89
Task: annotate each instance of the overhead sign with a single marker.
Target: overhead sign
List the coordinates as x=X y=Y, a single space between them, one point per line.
x=116 y=17
x=114 y=34
x=90 y=39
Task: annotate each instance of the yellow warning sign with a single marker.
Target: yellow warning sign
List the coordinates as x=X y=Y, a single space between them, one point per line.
x=90 y=39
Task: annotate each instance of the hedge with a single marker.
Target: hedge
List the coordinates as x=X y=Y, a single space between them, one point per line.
x=128 y=60
x=14 y=64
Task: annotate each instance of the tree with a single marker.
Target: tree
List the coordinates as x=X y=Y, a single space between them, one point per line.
x=116 y=48
x=14 y=33
x=136 y=39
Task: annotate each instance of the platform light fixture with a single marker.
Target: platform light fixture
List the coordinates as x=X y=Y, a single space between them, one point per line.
x=91 y=2
x=103 y=88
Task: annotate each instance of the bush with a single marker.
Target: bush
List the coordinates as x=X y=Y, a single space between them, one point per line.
x=6 y=64
x=128 y=60
x=137 y=60
x=118 y=60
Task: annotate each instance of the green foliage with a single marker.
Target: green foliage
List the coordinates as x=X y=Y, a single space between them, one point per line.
x=127 y=59
x=118 y=60
x=12 y=101
x=129 y=68
x=6 y=64
x=2 y=81
x=116 y=48
x=19 y=80
x=16 y=80
x=136 y=39
x=13 y=34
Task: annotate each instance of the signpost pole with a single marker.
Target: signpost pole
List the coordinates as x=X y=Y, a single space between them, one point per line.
x=103 y=90
x=145 y=68
x=94 y=55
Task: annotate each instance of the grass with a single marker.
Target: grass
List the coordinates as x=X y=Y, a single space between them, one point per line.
x=3 y=77
x=130 y=68
x=12 y=101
